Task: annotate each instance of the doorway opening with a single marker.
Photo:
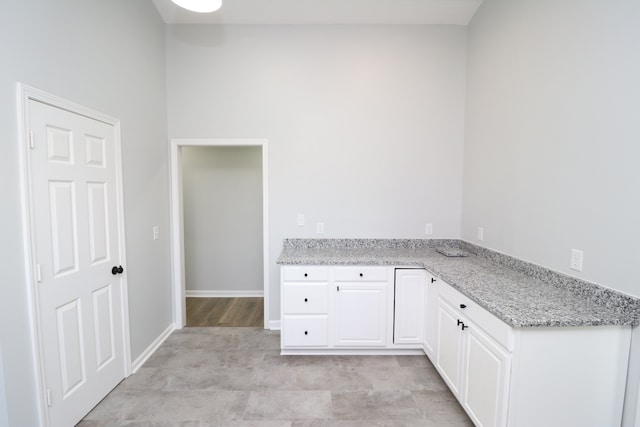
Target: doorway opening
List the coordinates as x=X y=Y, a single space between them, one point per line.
x=220 y=268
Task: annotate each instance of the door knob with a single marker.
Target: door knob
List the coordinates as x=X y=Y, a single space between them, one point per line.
x=117 y=270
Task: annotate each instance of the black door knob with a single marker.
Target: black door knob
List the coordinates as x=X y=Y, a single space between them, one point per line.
x=117 y=270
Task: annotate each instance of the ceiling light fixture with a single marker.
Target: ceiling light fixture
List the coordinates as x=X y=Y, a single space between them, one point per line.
x=200 y=6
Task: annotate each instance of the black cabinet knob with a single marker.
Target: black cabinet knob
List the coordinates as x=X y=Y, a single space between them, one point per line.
x=305 y=274
x=306 y=300
x=361 y=275
x=306 y=332
x=117 y=270
x=463 y=306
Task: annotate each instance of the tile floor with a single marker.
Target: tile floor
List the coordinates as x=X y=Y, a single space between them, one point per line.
x=236 y=377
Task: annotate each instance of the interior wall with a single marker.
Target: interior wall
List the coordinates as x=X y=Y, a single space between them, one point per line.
x=109 y=56
x=365 y=123
x=552 y=131
x=222 y=204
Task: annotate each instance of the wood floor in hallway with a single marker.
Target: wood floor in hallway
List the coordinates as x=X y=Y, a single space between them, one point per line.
x=248 y=312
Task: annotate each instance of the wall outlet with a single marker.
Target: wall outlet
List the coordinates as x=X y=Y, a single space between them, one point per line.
x=156 y=232
x=576 y=260
x=480 y=234
x=320 y=227
x=428 y=229
x=300 y=220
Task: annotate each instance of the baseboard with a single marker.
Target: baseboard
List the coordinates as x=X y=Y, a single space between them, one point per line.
x=152 y=348
x=224 y=294
x=274 y=325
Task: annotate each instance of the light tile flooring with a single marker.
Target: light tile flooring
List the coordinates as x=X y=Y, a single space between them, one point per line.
x=237 y=377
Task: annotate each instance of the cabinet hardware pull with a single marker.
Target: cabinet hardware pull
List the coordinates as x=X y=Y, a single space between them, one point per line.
x=338 y=288
x=464 y=326
x=463 y=306
x=305 y=300
x=433 y=280
x=460 y=322
x=361 y=274
x=306 y=332
x=305 y=274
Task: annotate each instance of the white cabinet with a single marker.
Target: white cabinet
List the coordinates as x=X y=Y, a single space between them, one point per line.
x=341 y=308
x=305 y=307
x=408 y=325
x=475 y=366
x=361 y=306
x=430 y=319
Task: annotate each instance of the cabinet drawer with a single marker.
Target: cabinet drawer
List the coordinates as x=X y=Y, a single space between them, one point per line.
x=305 y=331
x=305 y=274
x=361 y=274
x=305 y=298
x=493 y=326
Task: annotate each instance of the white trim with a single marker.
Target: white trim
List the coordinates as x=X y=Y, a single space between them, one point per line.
x=177 y=222
x=25 y=93
x=353 y=352
x=148 y=352
x=223 y=294
x=274 y=325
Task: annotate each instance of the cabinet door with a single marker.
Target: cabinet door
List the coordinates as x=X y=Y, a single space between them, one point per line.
x=409 y=307
x=361 y=314
x=487 y=368
x=450 y=347
x=430 y=315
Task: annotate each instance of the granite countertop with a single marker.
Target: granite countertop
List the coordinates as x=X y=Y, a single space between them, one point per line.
x=519 y=293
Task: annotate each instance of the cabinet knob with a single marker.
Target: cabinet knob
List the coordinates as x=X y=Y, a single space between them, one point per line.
x=306 y=300
x=361 y=275
x=305 y=274
x=306 y=332
x=463 y=306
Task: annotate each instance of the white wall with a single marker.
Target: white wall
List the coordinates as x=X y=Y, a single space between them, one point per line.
x=222 y=199
x=552 y=131
x=4 y=418
x=552 y=139
x=365 y=123
x=107 y=55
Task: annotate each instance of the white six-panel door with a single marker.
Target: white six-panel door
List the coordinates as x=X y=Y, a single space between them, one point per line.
x=74 y=209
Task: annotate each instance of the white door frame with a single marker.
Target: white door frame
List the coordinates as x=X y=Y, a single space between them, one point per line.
x=177 y=219
x=24 y=95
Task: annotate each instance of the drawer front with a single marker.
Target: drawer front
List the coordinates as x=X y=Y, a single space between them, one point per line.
x=494 y=327
x=361 y=274
x=305 y=274
x=305 y=331
x=305 y=298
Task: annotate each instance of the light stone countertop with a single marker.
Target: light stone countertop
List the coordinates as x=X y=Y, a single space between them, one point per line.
x=519 y=293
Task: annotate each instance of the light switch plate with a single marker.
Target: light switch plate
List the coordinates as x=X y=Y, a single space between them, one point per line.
x=300 y=221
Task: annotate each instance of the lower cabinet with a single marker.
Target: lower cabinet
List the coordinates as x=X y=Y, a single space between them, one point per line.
x=529 y=377
x=408 y=325
x=360 y=314
x=475 y=367
x=340 y=308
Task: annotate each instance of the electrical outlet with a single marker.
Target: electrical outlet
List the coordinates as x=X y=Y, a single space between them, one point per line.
x=428 y=229
x=481 y=234
x=576 y=260
x=300 y=220
x=320 y=227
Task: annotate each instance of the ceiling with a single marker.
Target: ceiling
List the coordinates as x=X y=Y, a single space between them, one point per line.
x=446 y=12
